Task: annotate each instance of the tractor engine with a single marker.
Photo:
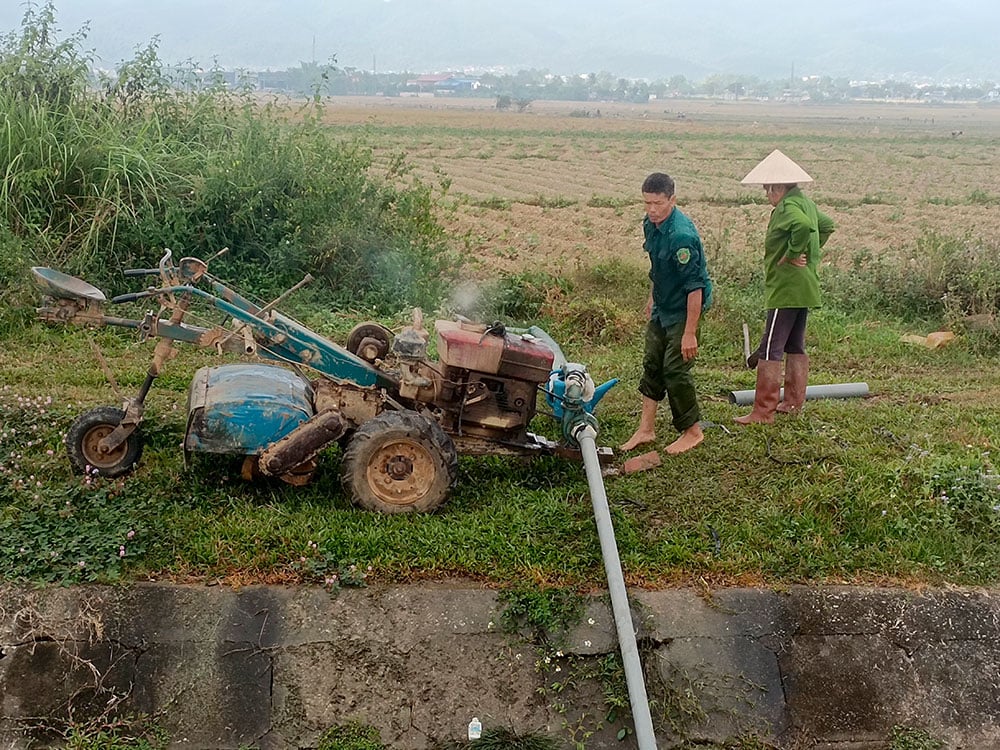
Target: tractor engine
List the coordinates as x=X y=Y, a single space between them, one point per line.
x=495 y=376
x=484 y=383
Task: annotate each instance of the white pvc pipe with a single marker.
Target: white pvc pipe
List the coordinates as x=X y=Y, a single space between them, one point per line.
x=813 y=392
x=586 y=436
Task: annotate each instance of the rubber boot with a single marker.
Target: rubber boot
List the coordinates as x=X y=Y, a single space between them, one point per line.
x=796 y=377
x=766 y=394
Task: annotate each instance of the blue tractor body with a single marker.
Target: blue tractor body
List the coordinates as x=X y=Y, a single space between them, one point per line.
x=243 y=408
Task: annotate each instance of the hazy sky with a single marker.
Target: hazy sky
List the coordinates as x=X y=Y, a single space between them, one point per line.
x=945 y=40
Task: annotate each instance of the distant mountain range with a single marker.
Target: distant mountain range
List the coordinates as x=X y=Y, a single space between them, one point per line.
x=946 y=41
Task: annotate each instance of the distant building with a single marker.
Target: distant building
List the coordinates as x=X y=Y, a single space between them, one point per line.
x=275 y=80
x=447 y=83
x=455 y=84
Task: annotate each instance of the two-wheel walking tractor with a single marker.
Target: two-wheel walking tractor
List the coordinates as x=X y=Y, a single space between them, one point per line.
x=400 y=417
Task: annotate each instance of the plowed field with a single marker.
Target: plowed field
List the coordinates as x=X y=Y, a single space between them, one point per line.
x=558 y=184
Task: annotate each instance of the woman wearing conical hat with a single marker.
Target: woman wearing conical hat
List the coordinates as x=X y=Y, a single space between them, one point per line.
x=795 y=233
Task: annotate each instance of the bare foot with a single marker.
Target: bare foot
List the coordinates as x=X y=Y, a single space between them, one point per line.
x=688 y=440
x=640 y=437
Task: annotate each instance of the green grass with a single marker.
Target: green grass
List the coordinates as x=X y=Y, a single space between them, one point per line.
x=611 y=201
x=351 y=737
x=899 y=486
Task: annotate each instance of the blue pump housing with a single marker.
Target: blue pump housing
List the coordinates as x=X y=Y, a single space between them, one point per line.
x=555 y=390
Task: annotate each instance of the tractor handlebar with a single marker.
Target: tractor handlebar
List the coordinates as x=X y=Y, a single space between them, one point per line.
x=131 y=297
x=141 y=272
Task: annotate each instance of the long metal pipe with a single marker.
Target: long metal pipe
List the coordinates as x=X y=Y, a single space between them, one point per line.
x=833 y=390
x=586 y=436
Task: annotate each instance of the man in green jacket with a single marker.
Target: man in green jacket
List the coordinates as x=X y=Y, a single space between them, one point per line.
x=795 y=233
x=681 y=291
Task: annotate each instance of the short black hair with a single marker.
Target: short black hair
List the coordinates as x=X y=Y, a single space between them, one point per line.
x=660 y=183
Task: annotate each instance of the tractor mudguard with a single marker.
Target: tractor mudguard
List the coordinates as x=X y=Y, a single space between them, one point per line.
x=243 y=408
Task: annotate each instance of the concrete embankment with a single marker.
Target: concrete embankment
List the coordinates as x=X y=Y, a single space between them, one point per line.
x=274 y=667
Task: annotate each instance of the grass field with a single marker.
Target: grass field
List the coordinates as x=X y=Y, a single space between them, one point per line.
x=896 y=487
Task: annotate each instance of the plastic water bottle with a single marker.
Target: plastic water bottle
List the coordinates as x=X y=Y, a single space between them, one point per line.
x=475 y=728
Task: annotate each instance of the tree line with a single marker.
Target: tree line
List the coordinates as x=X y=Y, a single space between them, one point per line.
x=334 y=80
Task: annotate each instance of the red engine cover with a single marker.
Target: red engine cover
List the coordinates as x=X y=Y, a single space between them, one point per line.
x=469 y=346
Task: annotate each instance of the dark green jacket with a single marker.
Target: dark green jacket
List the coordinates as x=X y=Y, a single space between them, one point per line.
x=796 y=228
x=676 y=267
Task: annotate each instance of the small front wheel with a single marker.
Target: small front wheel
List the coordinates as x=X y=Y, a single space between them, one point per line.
x=83 y=444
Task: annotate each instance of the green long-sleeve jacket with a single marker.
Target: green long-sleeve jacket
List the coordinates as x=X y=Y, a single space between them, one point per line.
x=796 y=228
x=677 y=267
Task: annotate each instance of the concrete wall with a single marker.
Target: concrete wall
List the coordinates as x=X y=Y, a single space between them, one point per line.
x=274 y=667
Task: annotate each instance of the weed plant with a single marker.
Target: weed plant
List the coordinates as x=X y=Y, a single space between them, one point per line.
x=502 y=738
x=948 y=280
x=540 y=612
x=909 y=738
x=126 y=732
x=98 y=180
x=354 y=736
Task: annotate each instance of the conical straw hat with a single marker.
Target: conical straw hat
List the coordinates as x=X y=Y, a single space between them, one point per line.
x=776 y=169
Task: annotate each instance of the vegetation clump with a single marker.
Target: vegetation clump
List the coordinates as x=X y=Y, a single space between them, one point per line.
x=353 y=736
x=103 y=175
x=502 y=738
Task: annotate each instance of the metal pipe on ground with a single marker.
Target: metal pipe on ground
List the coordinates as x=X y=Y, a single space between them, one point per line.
x=586 y=436
x=813 y=392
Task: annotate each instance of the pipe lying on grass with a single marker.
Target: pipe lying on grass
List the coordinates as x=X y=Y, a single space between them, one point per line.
x=634 y=680
x=813 y=392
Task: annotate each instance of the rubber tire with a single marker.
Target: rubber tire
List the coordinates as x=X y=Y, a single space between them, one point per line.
x=89 y=428
x=416 y=445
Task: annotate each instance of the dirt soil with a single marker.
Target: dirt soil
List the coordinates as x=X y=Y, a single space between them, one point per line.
x=558 y=184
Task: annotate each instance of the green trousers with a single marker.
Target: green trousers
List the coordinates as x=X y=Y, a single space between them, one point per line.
x=666 y=374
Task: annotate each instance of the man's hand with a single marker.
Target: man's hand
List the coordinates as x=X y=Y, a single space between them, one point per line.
x=689 y=346
x=799 y=261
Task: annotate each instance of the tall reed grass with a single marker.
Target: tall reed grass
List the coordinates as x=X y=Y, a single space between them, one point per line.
x=99 y=176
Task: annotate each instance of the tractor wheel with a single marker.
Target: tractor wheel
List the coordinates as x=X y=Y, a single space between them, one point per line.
x=399 y=462
x=83 y=444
